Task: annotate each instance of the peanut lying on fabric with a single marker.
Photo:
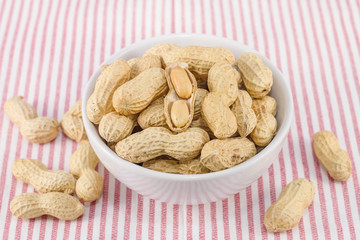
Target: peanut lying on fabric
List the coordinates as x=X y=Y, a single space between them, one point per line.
x=289 y=208
x=35 y=129
x=173 y=99
x=335 y=160
x=56 y=204
x=34 y=172
x=89 y=185
x=72 y=123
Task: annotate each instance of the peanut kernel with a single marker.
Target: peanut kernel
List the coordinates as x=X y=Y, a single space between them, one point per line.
x=179 y=113
x=181 y=82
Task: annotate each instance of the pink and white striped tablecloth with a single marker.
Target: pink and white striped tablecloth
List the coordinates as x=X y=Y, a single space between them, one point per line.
x=48 y=50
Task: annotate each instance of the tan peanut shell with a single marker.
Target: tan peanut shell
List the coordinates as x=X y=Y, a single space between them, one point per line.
x=265 y=128
x=245 y=118
x=132 y=61
x=173 y=97
x=34 y=172
x=135 y=95
x=218 y=116
x=100 y=101
x=200 y=59
x=114 y=127
x=335 y=160
x=223 y=79
x=193 y=167
x=160 y=49
x=215 y=109
x=243 y=98
x=33 y=128
x=201 y=123
x=18 y=110
x=144 y=63
x=56 y=204
x=152 y=116
x=158 y=141
x=163 y=165
x=173 y=166
x=256 y=75
x=238 y=78
x=40 y=130
x=89 y=185
x=269 y=103
x=200 y=95
x=287 y=211
x=219 y=154
x=72 y=123
x=103 y=67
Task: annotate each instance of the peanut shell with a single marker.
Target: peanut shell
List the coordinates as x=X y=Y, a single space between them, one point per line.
x=335 y=160
x=18 y=110
x=256 y=75
x=219 y=154
x=72 y=123
x=173 y=166
x=152 y=116
x=200 y=59
x=40 y=130
x=114 y=127
x=100 y=101
x=136 y=94
x=83 y=162
x=34 y=172
x=265 y=128
x=157 y=141
x=220 y=119
x=59 y=205
x=223 y=79
x=269 y=103
x=144 y=63
x=287 y=211
x=173 y=97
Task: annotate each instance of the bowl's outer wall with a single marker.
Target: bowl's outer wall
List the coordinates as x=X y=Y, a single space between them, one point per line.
x=196 y=189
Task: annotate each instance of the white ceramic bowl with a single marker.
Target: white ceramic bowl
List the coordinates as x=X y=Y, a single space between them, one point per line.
x=192 y=189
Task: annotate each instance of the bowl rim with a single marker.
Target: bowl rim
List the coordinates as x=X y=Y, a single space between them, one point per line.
x=279 y=137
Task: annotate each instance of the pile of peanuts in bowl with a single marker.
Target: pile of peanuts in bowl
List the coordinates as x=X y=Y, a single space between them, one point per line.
x=185 y=110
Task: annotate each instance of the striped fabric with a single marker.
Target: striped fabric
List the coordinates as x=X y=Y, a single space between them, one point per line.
x=48 y=50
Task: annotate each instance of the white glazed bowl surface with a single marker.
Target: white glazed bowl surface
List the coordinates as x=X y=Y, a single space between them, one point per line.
x=192 y=189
